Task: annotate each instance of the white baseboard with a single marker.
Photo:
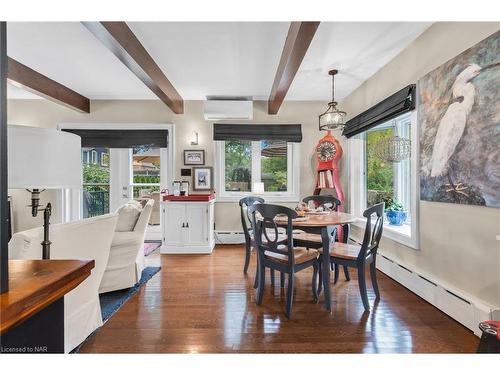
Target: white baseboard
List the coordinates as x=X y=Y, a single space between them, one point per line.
x=465 y=309
x=223 y=237
x=201 y=249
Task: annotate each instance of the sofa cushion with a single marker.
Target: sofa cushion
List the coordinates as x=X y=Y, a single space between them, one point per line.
x=128 y=214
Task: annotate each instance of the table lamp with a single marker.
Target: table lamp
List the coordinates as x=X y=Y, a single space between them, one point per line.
x=40 y=159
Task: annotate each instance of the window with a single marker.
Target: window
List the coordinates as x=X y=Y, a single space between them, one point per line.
x=257 y=167
x=145 y=171
x=374 y=180
x=94 y=156
x=105 y=159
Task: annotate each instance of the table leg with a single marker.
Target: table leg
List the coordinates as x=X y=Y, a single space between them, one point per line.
x=325 y=237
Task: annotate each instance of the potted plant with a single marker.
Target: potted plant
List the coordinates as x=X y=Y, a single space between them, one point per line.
x=395 y=212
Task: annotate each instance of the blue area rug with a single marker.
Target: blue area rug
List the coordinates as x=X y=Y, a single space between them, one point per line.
x=112 y=301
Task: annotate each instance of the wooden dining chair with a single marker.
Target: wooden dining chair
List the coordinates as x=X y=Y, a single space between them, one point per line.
x=283 y=257
x=314 y=240
x=246 y=222
x=323 y=200
x=349 y=255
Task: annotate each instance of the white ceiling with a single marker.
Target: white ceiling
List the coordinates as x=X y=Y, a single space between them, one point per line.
x=209 y=58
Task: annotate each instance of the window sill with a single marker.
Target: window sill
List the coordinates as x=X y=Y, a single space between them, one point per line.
x=397 y=233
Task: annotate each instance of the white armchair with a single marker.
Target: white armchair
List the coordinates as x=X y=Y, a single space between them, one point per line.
x=83 y=239
x=126 y=257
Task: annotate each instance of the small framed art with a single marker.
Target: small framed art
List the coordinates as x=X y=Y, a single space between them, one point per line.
x=202 y=178
x=194 y=157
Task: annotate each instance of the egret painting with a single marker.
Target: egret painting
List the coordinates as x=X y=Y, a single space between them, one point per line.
x=459 y=118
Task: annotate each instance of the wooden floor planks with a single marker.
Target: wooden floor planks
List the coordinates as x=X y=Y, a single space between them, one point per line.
x=204 y=304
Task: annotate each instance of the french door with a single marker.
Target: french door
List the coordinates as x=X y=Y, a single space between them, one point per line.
x=112 y=177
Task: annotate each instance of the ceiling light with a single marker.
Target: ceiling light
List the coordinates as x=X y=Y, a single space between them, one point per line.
x=333 y=118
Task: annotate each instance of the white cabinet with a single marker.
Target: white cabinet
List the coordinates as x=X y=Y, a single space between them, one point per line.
x=188 y=227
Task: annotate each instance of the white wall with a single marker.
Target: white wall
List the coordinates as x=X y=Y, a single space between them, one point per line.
x=458 y=244
x=47 y=114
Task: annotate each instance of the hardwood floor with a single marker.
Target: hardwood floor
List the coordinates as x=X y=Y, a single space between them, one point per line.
x=204 y=304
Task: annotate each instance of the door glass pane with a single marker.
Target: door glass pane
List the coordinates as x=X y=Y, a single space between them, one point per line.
x=274 y=165
x=145 y=171
x=95 y=193
x=238 y=170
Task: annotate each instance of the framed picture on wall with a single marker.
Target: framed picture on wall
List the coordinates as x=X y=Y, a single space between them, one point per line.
x=202 y=178
x=194 y=157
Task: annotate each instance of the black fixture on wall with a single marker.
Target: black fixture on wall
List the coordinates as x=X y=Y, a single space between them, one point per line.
x=4 y=216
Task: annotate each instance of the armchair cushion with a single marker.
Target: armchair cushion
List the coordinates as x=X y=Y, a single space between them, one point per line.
x=128 y=214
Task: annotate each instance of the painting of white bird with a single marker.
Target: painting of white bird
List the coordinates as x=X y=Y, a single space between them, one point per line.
x=459 y=112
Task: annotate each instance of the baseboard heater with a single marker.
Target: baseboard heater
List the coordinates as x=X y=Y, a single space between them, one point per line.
x=229 y=237
x=463 y=308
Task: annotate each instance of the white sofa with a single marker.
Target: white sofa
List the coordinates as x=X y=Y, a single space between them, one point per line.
x=126 y=257
x=84 y=239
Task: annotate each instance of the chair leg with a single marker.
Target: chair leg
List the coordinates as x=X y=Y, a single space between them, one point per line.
x=373 y=274
x=346 y=273
x=314 y=282
x=271 y=271
x=362 y=287
x=257 y=270
x=336 y=276
x=289 y=295
x=282 y=279
x=262 y=281
x=248 y=251
x=320 y=277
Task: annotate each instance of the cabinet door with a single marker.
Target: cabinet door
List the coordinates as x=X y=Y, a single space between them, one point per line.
x=175 y=218
x=197 y=218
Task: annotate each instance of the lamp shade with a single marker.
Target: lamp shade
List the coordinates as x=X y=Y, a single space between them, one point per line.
x=41 y=158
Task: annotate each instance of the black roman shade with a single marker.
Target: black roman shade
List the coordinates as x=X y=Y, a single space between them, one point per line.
x=258 y=132
x=121 y=138
x=395 y=105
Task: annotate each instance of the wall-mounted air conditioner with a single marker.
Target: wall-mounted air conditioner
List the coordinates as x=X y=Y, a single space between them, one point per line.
x=228 y=110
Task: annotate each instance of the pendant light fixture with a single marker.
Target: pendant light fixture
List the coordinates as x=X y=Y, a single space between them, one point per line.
x=333 y=118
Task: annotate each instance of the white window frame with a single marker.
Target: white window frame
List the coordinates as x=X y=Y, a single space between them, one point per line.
x=93 y=154
x=293 y=188
x=408 y=234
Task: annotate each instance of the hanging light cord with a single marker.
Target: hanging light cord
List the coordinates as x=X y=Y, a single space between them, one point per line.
x=333 y=88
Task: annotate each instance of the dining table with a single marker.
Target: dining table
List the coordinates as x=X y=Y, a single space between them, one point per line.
x=324 y=224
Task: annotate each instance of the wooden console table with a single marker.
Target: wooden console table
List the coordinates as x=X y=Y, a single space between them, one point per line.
x=32 y=311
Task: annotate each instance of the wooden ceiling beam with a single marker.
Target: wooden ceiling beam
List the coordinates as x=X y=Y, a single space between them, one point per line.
x=298 y=39
x=22 y=76
x=122 y=42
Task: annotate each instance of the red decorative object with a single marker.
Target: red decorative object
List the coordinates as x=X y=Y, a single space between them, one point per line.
x=191 y=198
x=328 y=152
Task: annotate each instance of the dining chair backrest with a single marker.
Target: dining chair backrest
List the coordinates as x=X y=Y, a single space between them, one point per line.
x=322 y=200
x=373 y=233
x=266 y=230
x=246 y=220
